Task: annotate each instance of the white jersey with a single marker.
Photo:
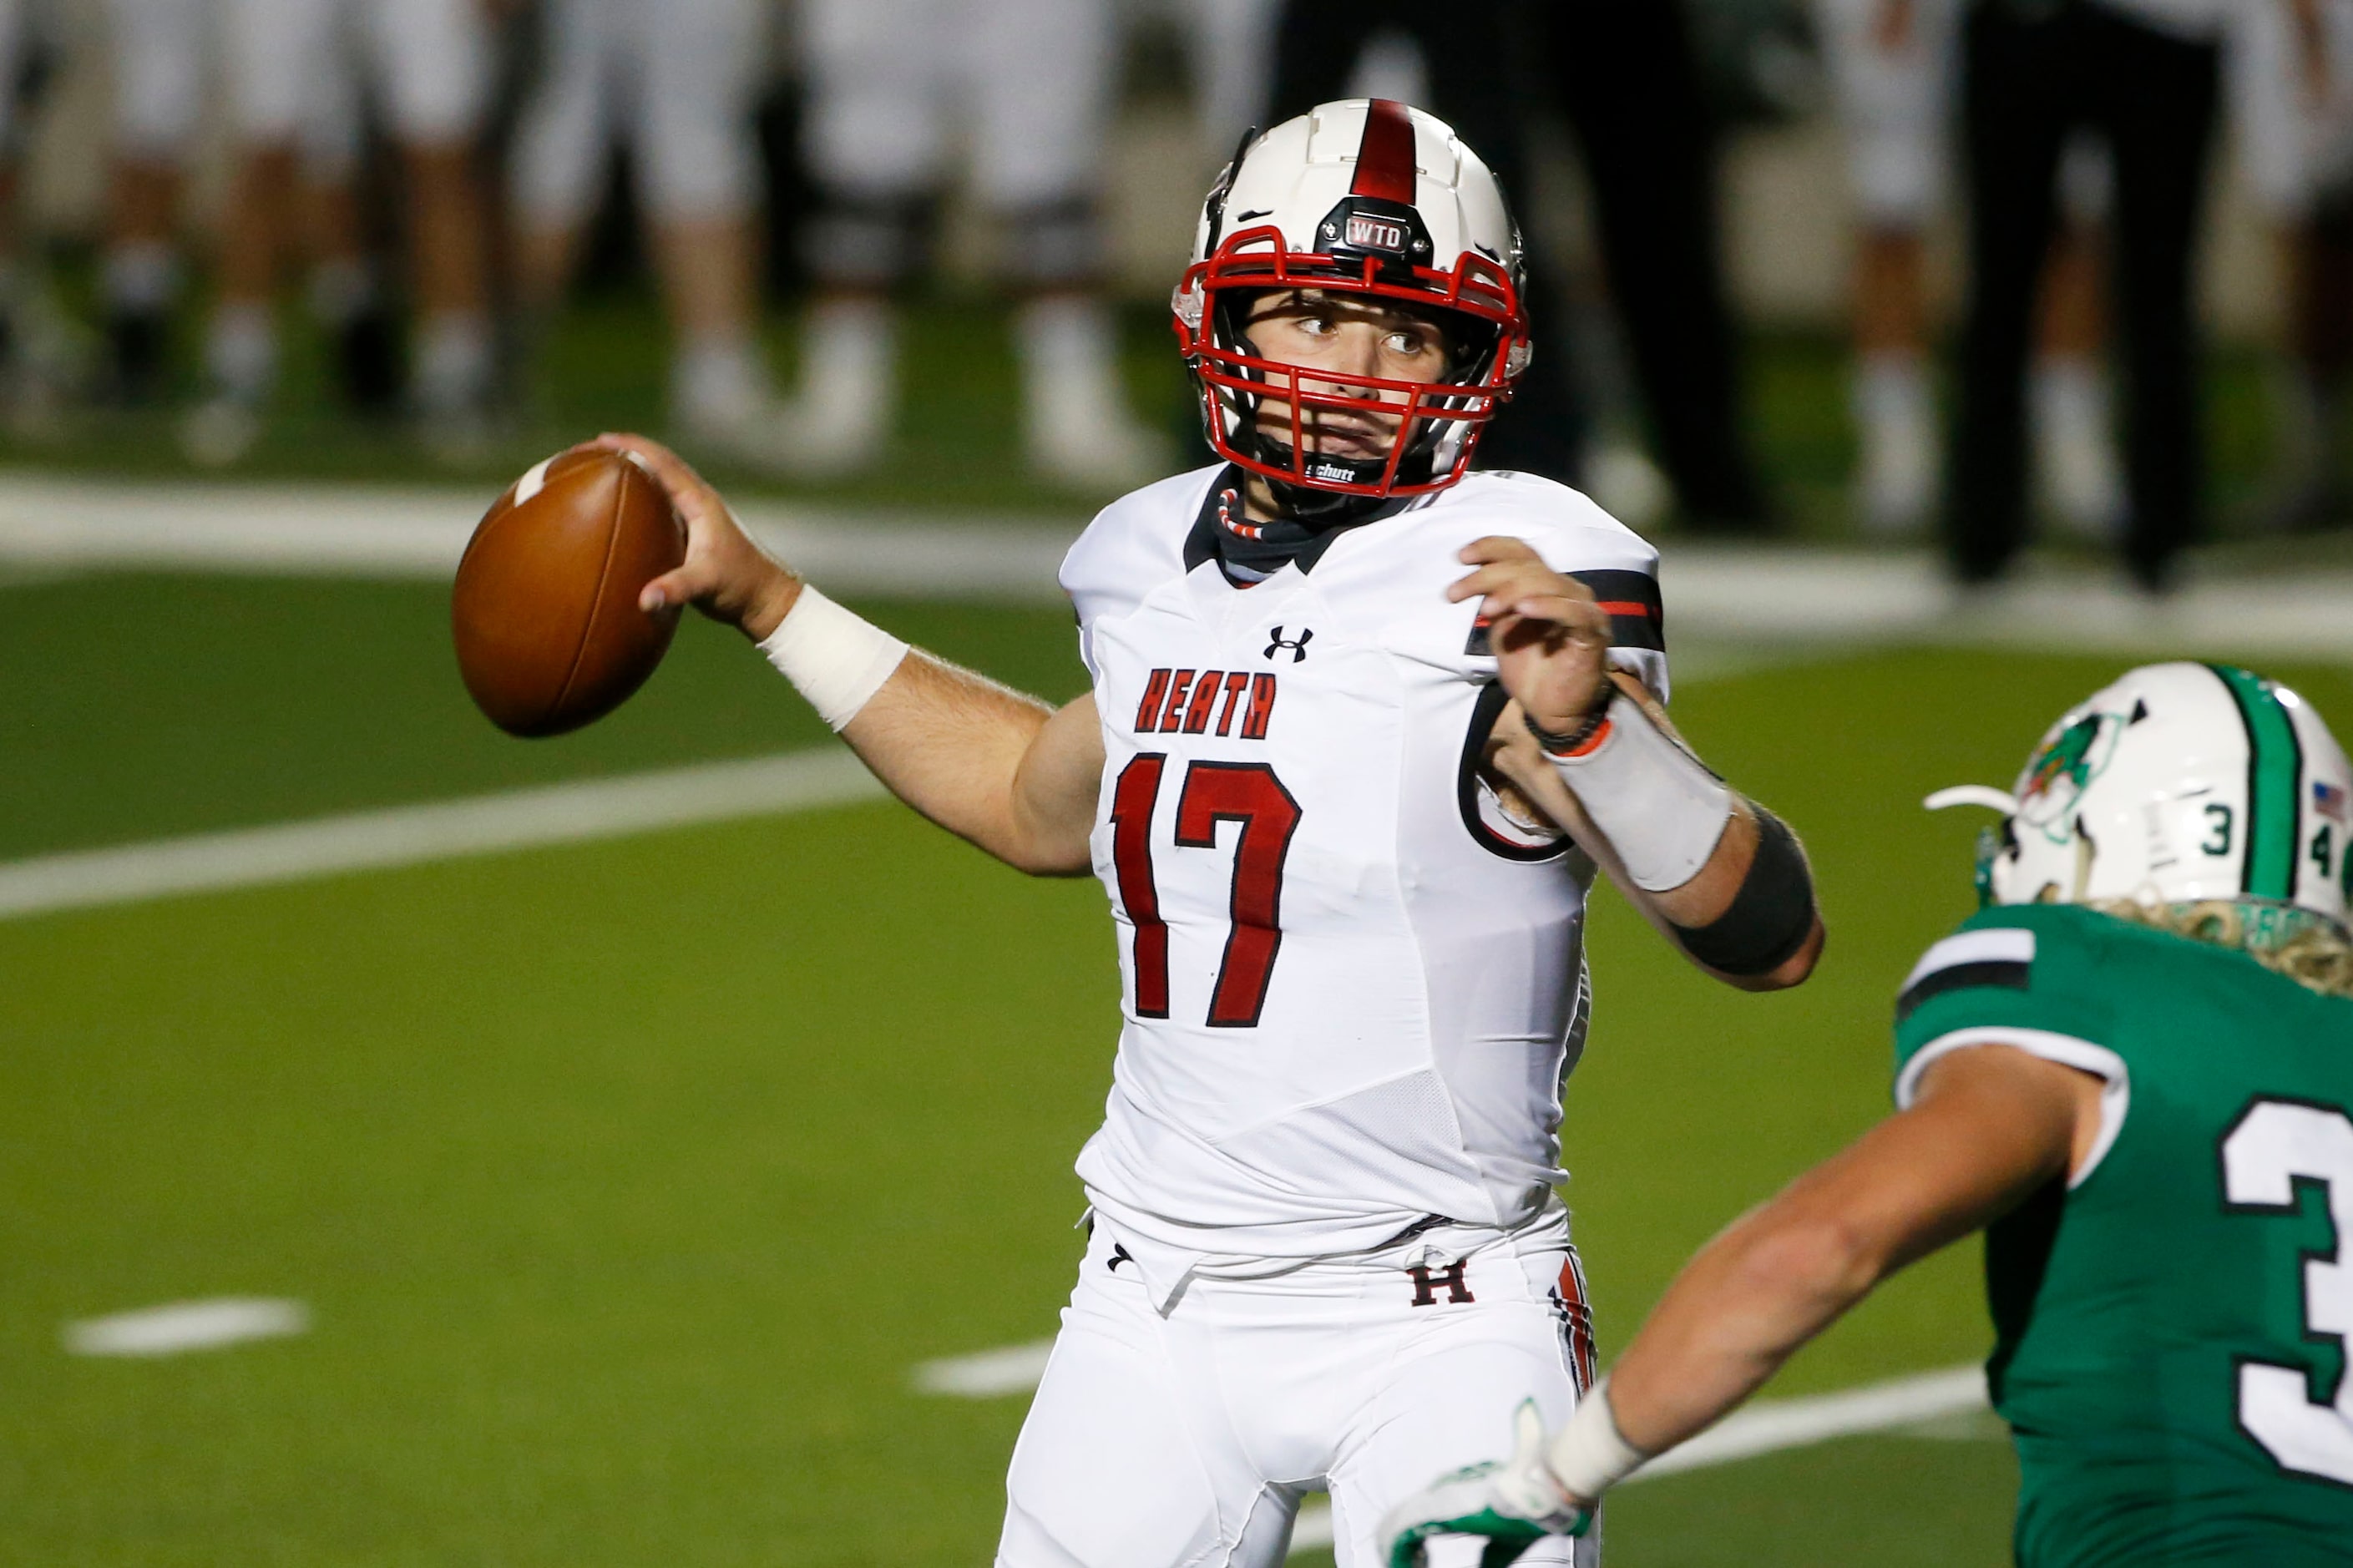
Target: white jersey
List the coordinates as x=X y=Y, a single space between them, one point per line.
x=1352 y=983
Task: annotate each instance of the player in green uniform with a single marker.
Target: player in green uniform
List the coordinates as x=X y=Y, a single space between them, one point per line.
x=2133 y=1068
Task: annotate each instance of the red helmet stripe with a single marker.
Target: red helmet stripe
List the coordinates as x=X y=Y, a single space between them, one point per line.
x=1385 y=167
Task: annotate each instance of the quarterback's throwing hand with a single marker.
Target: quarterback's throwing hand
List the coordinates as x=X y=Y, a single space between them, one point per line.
x=725 y=574
x=1514 y=1504
x=1551 y=639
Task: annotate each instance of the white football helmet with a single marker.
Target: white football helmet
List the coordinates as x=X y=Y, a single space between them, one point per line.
x=2180 y=782
x=1366 y=197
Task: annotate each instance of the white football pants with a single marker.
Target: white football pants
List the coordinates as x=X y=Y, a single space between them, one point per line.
x=1894 y=99
x=674 y=78
x=2293 y=116
x=1030 y=77
x=160 y=49
x=1188 y=1440
x=293 y=67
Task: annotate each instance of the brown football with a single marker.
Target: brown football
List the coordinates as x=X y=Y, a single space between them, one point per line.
x=544 y=608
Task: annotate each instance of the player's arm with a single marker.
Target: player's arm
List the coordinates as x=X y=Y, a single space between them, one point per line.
x=1720 y=877
x=1989 y=1126
x=1003 y=770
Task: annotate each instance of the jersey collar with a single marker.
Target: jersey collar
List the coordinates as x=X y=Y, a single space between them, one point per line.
x=1247 y=557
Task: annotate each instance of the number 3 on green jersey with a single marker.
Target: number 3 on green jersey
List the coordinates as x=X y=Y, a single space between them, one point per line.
x=2273 y=1145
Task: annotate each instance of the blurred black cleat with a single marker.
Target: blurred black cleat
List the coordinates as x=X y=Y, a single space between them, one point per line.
x=137 y=346
x=367 y=360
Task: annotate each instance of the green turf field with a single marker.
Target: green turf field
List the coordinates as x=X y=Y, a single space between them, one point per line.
x=627 y=1182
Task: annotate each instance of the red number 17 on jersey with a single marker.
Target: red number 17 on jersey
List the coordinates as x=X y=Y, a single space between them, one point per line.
x=1246 y=793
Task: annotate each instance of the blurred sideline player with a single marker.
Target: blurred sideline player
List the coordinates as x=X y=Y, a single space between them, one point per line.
x=674 y=81
x=2143 y=76
x=295 y=70
x=1029 y=80
x=2291 y=70
x=2134 y=1069
x=1892 y=63
x=159 y=48
x=1324 y=1245
x=1232 y=43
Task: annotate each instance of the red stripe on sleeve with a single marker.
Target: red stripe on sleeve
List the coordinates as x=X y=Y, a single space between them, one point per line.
x=1385 y=167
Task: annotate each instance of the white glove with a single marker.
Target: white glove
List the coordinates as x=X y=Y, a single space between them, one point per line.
x=1514 y=1504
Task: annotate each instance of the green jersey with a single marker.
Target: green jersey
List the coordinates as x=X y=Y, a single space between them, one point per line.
x=2172 y=1322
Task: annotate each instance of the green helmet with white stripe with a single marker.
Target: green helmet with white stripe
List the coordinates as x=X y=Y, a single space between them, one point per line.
x=2180 y=782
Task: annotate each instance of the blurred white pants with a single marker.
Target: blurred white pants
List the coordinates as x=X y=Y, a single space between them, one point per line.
x=160 y=49
x=1029 y=80
x=2294 y=114
x=673 y=78
x=1894 y=96
x=294 y=68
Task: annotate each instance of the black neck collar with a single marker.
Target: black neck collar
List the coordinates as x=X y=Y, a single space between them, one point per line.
x=1249 y=552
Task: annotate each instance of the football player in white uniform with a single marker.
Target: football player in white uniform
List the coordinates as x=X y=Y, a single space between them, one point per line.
x=158 y=54
x=1892 y=66
x=1325 y=1247
x=1032 y=82
x=2290 y=67
x=675 y=80
x=293 y=98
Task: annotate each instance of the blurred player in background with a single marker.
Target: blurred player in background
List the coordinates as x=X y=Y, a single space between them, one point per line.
x=297 y=70
x=672 y=81
x=2142 y=75
x=1891 y=67
x=2292 y=95
x=1626 y=76
x=1363 y=729
x=160 y=50
x=1029 y=82
x=1232 y=46
x=2134 y=1071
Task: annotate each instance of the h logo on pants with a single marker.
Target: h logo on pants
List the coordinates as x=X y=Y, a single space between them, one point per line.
x=1427 y=1285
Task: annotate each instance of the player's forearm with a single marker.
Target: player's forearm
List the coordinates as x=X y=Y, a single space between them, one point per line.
x=1725 y=880
x=1990 y=1127
x=1749 y=916
x=964 y=751
x=1738 y=1310
x=983 y=760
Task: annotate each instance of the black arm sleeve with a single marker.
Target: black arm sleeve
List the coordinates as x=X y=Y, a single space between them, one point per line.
x=1771 y=915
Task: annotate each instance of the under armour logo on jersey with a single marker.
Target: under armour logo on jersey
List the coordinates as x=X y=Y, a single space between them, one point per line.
x=1426 y=1285
x=1298 y=644
x=1119 y=1254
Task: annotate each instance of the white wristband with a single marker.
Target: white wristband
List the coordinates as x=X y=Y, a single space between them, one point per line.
x=1662 y=811
x=1589 y=1455
x=837 y=660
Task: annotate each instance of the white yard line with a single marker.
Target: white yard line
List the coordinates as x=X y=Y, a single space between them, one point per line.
x=478 y=825
x=1771 y=1425
x=1767 y=1426
x=1831 y=597
x=1747 y=593
x=179 y=1327
x=441 y=830
x=370 y=532
x=1015 y=1369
